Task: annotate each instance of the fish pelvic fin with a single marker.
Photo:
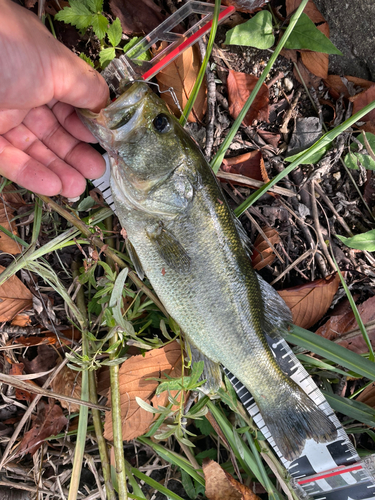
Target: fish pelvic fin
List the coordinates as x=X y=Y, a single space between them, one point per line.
x=293 y=423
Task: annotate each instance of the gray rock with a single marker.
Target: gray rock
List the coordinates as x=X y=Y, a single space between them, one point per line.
x=351 y=24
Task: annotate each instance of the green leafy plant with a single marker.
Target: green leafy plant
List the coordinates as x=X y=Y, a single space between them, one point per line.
x=84 y=14
x=258 y=32
x=364 y=241
x=358 y=154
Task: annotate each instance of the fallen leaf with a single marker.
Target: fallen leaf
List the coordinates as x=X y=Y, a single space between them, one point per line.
x=181 y=75
x=317 y=62
x=240 y=86
x=308 y=78
x=21 y=395
x=343 y=323
x=249 y=164
x=8 y=244
x=270 y=137
x=360 y=101
x=33 y=340
x=309 y=302
x=337 y=86
x=14 y=298
x=49 y=422
x=263 y=254
x=68 y=383
x=137 y=17
x=367 y=396
x=133 y=376
x=43 y=361
x=222 y=486
x=248 y=6
x=311 y=10
x=21 y=320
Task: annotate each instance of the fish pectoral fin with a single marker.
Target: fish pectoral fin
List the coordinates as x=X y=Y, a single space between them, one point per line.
x=211 y=372
x=170 y=249
x=277 y=314
x=135 y=259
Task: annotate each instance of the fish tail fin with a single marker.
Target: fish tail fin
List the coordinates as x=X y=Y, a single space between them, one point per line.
x=292 y=424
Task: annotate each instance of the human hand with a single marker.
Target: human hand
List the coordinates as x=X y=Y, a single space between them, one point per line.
x=42 y=141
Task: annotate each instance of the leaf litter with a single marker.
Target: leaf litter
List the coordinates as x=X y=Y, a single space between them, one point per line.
x=258 y=151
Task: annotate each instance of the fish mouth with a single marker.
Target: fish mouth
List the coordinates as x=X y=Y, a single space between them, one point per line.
x=109 y=125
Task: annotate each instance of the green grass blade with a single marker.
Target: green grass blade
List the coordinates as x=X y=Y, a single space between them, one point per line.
x=321 y=365
x=199 y=80
x=38 y=212
x=331 y=351
x=321 y=143
x=173 y=458
x=352 y=408
x=216 y=162
x=154 y=484
x=355 y=312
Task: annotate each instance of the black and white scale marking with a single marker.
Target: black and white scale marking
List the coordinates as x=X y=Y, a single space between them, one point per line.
x=324 y=471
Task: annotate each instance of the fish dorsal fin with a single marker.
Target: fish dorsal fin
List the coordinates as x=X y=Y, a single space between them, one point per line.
x=169 y=248
x=245 y=240
x=135 y=259
x=277 y=314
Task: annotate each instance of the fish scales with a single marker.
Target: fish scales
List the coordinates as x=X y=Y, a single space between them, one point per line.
x=184 y=235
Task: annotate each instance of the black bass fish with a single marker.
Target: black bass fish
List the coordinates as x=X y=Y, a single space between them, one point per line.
x=193 y=250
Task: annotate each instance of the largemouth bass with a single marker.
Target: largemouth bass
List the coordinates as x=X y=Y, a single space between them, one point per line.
x=189 y=244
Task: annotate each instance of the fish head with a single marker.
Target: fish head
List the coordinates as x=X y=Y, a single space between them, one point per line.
x=145 y=141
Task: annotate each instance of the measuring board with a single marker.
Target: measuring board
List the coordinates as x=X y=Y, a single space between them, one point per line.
x=323 y=471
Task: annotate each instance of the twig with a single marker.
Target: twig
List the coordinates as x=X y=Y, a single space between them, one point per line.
x=253 y=183
x=288 y=115
x=330 y=205
x=293 y=265
x=318 y=227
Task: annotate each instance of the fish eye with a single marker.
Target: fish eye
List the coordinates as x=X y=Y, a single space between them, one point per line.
x=161 y=123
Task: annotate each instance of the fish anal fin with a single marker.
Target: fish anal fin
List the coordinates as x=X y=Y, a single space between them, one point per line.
x=277 y=314
x=169 y=248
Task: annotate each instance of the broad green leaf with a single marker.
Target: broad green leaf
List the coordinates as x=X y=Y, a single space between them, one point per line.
x=352 y=408
x=364 y=241
x=100 y=25
x=77 y=14
x=306 y=35
x=329 y=350
x=353 y=158
x=106 y=56
x=88 y=60
x=96 y=6
x=114 y=32
x=256 y=32
x=188 y=485
x=87 y=202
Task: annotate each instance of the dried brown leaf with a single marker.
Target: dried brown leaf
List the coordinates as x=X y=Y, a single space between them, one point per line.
x=68 y=383
x=309 y=302
x=137 y=17
x=307 y=77
x=21 y=320
x=181 y=74
x=133 y=376
x=222 y=486
x=343 y=323
x=21 y=394
x=360 y=101
x=337 y=86
x=317 y=62
x=263 y=254
x=14 y=298
x=7 y=244
x=367 y=396
x=49 y=422
x=311 y=10
x=248 y=164
x=240 y=86
x=248 y=6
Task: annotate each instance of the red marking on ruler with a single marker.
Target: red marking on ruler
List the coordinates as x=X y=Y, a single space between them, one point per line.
x=192 y=39
x=330 y=474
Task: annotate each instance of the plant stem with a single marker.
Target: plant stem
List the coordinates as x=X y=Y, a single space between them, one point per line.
x=103 y=452
x=216 y=162
x=117 y=425
x=83 y=415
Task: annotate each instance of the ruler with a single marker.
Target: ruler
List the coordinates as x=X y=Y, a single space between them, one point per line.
x=323 y=471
